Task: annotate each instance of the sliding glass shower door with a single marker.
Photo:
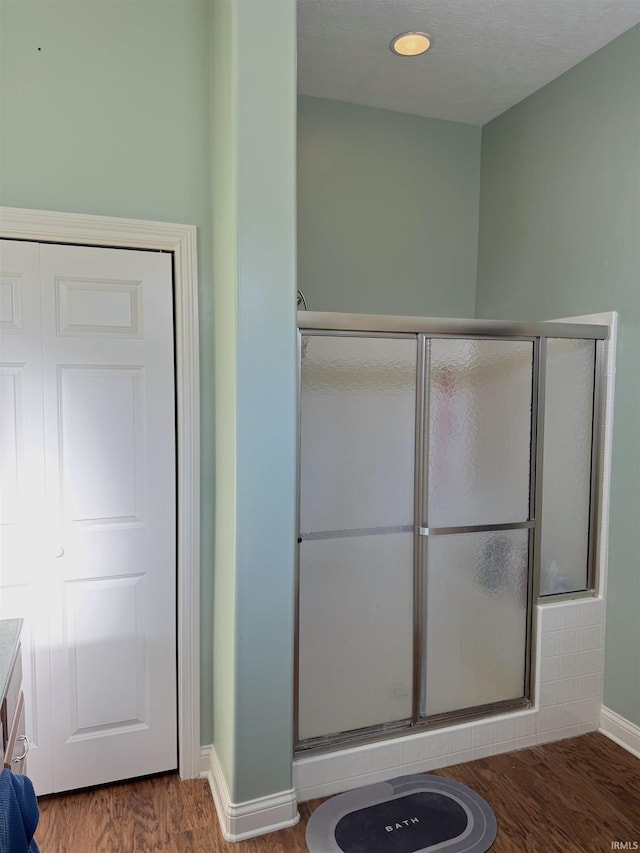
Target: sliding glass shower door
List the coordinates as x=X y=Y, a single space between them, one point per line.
x=476 y=522
x=355 y=617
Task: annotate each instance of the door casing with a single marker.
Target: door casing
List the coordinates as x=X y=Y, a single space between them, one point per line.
x=180 y=240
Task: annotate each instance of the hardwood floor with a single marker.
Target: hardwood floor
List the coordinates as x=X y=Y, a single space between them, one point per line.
x=574 y=796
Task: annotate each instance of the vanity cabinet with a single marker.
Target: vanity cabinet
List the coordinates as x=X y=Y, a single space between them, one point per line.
x=15 y=744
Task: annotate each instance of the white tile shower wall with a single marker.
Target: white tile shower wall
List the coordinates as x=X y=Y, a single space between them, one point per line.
x=568 y=698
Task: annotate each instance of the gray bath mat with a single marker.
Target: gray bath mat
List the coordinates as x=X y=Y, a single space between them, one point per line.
x=410 y=814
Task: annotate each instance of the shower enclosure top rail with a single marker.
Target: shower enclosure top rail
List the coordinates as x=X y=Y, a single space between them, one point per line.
x=326 y=320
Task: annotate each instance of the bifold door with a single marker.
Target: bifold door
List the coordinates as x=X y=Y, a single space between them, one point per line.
x=87 y=506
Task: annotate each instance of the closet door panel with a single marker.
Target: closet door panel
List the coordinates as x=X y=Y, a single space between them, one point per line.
x=25 y=543
x=110 y=442
x=88 y=506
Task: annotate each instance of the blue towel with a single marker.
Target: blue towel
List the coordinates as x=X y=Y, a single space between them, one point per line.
x=18 y=814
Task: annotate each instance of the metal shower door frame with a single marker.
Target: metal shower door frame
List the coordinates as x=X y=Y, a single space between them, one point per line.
x=425 y=330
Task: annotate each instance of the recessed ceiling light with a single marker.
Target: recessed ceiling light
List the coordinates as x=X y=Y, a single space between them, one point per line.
x=411 y=44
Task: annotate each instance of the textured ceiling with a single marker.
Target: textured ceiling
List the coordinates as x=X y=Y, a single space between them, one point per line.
x=486 y=55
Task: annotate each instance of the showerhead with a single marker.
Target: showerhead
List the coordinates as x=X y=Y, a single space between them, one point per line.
x=305 y=340
x=302 y=301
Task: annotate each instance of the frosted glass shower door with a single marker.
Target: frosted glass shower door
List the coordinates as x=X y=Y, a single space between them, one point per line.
x=355 y=593
x=476 y=523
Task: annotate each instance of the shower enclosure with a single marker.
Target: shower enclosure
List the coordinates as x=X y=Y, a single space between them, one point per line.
x=447 y=478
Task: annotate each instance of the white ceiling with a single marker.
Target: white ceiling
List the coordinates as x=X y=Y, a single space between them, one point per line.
x=486 y=55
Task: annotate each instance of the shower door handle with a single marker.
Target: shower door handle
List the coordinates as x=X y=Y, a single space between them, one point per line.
x=476 y=528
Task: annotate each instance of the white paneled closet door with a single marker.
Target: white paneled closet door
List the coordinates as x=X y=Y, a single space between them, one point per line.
x=100 y=583
x=24 y=552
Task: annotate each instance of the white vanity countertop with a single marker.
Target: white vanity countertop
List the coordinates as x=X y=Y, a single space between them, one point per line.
x=9 y=644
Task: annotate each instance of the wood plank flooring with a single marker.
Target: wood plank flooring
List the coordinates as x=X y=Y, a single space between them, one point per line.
x=573 y=796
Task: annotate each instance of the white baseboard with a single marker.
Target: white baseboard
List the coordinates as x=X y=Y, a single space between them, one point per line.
x=623 y=732
x=205 y=761
x=239 y=821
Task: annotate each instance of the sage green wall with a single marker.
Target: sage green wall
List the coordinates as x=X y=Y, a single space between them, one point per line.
x=253 y=43
x=559 y=236
x=387 y=211
x=225 y=369
x=111 y=116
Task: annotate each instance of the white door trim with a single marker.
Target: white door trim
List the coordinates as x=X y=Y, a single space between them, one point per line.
x=81 y=229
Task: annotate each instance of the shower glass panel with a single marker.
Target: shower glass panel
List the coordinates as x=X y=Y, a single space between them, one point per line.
x=357 y=472
x=479 y=427
x=356 y=618
x=357 y=432
x=566 y=469
x=475 y=626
